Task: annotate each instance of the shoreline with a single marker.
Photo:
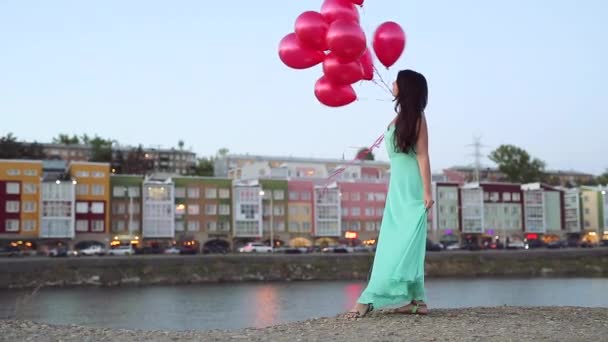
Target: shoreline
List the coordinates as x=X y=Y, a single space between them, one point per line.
x=471 y=324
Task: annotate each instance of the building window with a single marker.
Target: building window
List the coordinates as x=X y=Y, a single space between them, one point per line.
x=13 y=172
x=97 y=225
x=12 y=225
x=279 y=211
x=587 y=211
x=83 y=226
x=305 y=196
x=12 y=188
x=119 y=191
x=344 y=212
x=179 y=226
x=82 y=189
x=12 y=206
x=516 y=197
x=82 y=174
x=369 y=196
x=279 y=195
x=506 y=196
x=355 y=196
x=211 y=226
x=224 y=193
x=83 y=208
x=293 y=196
x=134 y=192
x=29 y=207
x=379 y=211
x=223 y=226
x=194 y=193
x=211 y=193
x=193 y=226
x=356 y=211
x=97 y=190
x=369 y=212
x=210 y=209
x=29 y=188
x=224 y=209
x=193 y=209
x=486 y=196
x=180 y=192
x=380 y=197
x=29 y=225
x=495 y=197
x=98 y=174
x=97 y=208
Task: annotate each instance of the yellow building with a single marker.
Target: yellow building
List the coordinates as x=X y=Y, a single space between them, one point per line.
x=592 y=213
x=20 y=199
x=92 y=199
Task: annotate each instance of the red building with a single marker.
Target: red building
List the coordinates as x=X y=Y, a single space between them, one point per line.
x=362 y=207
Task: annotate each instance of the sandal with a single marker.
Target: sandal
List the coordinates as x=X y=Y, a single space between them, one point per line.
x=414 y=308
x=353 y=315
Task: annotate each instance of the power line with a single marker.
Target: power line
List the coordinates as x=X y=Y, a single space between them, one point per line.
x=477 y=154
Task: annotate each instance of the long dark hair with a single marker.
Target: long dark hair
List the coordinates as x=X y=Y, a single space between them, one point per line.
x=410 y=103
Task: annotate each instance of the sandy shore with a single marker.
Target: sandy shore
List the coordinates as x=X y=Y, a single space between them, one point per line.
x=477 y=324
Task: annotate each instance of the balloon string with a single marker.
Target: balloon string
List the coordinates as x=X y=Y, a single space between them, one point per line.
x=388 y=88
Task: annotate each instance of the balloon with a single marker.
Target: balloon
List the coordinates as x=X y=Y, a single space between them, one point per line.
x=358 y=2
x=311 y=30
x=296 y=56
x=334 y=95
x=334 y=10
x=389 y=43
x=367 y=65
x=339 y=72
x=346 y=39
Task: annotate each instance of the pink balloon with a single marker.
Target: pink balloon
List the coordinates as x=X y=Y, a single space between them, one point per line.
x=339 y=72
x=334 y=95
x=296 y=56
x=311 y=30
x=346 y=39
x=358 y=2
x=367 y=65
x=334 y=10
x=389 y=43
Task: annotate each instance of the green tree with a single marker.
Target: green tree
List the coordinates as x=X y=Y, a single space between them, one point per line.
x=180 y=144
x=9 y=147
x=517 y=165
x=365 y=154
x=136 y=162
x=602 y=179
x=101 y=150
x=222 y=152
x=65 y=139
x=205 y=167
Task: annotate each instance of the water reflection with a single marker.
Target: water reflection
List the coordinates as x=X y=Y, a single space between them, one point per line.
x=233 y=306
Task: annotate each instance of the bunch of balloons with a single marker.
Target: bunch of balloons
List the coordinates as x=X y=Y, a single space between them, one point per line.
x=335 y=38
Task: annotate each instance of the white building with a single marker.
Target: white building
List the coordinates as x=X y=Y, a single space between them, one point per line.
x=542 y=209
x=572 y=208
x=57 y=219
x=327 y=211
x=247 y=206
x=158 y=208
x=472 y=209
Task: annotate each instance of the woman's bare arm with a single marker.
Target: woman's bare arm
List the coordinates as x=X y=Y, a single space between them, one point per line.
x=424 y=163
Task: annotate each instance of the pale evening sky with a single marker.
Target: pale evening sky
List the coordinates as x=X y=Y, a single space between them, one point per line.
x=529 y=73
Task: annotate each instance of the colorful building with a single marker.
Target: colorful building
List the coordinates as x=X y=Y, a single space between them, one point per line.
x=58 y=212
x=20 y=199
x=247 y=211
x=92 y=199
x=362 y=208
x=158 y=210
x=126 y=209
x=572 y=212
x=274 y=211
x=327 y=228
x=203 y=209
x=300 y=208
x=594 y=213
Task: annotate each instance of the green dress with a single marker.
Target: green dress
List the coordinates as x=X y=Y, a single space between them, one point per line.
x=398 y=271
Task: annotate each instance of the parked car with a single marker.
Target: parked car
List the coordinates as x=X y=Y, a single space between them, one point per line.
x=10 y=251
x=216 y=249
x=121 y=250
x=295 y=250
x=517 y=244
x=433 y=246
x=338 y=249
x=62 y=251
x=172 y=250
x=453 y=247
x=92 y=250
x=255 y=247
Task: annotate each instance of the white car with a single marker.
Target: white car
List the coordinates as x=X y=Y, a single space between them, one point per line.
x=172 y=250
x=255 y=247
x=92 y=250
x=121 y=250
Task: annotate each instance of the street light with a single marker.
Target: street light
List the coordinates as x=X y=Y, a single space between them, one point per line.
x=262 y=193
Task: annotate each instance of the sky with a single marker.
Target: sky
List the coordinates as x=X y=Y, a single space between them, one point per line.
x=528 y=73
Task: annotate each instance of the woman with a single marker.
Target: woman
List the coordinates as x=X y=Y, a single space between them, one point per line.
x=398 y=272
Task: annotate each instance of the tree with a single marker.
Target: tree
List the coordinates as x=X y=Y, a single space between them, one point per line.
x=205 y=167
x=9 y=147
x=222 y=152
x=602 y=179
x=553 y=180
x=32 y=151
x=180 y=144
x=365 y=154
x=85 y=139
x=65 y=139
x=517 y=165
x=136 y=162
x=101 y=150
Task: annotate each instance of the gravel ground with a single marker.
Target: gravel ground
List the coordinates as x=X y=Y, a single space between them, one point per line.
x=477 y=324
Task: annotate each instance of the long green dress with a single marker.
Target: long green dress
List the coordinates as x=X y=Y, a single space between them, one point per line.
x=398 y=271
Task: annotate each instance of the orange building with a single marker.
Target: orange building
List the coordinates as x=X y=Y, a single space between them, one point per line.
x=92 y=200
x=20 y=199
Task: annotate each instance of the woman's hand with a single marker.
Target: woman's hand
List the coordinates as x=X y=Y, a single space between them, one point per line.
x=428 y=200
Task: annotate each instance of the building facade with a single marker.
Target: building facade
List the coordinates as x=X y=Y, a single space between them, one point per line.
x=362 y=207
x=92 y=181
x=445 y=214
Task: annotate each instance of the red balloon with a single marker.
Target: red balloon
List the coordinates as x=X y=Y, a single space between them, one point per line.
x=389 y=43
x=340 y=72
x=346 y=39
x=333 y=95
x=311 y=30
x=334 y=10
x=367 y=65
x=296 y=56
x=358 y=2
